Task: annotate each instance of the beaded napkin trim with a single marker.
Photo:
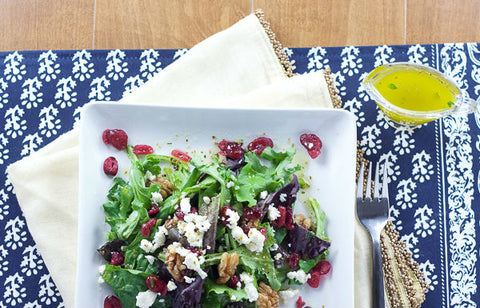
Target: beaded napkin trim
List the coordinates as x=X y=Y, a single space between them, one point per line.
x=287 y=65
x=277 y=46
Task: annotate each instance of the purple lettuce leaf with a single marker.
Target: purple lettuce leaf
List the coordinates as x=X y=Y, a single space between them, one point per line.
x=305 y=243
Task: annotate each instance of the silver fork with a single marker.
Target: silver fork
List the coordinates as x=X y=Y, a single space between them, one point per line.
x=373 y=214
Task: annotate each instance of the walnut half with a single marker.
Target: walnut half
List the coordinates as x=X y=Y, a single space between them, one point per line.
x=166 y=188
x=303 y=221
x=174 y=263
x=227 y=266
x=267 y=297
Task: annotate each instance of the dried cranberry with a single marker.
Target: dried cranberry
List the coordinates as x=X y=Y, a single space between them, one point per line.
x=312 y=143
x=111 y=302
x=110 y=166
x=153 y=210
x=116 y=137
x=180 y=155
x=230 y=149
x=246 y=229
x=280 y=221
x=224 y=216
x=263 y=230
x=300 y=303
x=258 y=145
x=180 y=215
x=289 y=219
x=314 y=279
x=195 y=250
x=323 y=267
x=105 y=140
x=117 y=258
x=252 y=213
x=142 y=149
x=233 y=282
x=156 y=284
x=293 y=260
x=147 y=227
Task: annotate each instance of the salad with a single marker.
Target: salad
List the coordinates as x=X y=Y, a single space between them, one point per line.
x=211 y=230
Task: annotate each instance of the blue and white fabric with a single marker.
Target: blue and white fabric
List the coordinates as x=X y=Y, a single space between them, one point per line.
x=434 y=170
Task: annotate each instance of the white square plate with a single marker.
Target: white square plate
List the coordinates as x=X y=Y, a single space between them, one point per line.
x=191 y=129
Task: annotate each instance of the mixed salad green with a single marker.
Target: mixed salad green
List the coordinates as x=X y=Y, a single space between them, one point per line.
x=213 y=231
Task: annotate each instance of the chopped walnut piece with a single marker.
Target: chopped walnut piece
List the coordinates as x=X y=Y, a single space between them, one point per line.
x=304 y=221
x=252 y=224
x=174 y=263
x=227 y=266
x=166 y=187
x=171 y=223
x=267 y=297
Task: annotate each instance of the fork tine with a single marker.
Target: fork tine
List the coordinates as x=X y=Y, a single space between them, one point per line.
x=360 y=181
x=368 y=193
x=376 y=183
x=385 y=181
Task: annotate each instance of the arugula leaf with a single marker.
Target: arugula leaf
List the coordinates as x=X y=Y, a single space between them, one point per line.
x=127 y=283
x=280 y=234
x=320 y=217
x=211 y=286
x=118 y=210
x=256 y=177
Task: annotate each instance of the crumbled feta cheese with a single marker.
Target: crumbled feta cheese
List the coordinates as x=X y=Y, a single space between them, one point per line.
x=283 y=197
x=185 y=206
x=263 y=194
x=273 y=213
x=171 y=285
x=250 y=289
x=193 y=227
x=288 y=294
x=239 y=285
x=278 y=256
x=156 y=197
x=150 y=176
x=101 y=269
x=158 y=241
x=191 y=260
x=146 y=299
x=146 y=246
x=230 y=184
x=233 y=218
x=206 y=200
x=257 y=239
x=274 y=247
x=240 y=236
x=100 y=280
x=150 y=259
x=299 y=276
x=246 y=278
x=233 y=298
x=189 y=280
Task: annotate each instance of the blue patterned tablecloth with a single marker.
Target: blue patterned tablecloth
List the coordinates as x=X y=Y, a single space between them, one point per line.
x=434 y=170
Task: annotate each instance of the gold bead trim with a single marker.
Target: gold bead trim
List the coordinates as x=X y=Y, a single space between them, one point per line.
x=277 y=46
x=336 y=100
x=404 y=282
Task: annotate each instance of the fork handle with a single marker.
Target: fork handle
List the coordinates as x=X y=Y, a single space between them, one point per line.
x=378 y=285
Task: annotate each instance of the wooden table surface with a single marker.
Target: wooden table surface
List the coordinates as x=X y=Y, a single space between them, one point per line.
x=107 y=24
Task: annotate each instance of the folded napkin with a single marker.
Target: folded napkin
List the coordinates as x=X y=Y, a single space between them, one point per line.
x=241 y=66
